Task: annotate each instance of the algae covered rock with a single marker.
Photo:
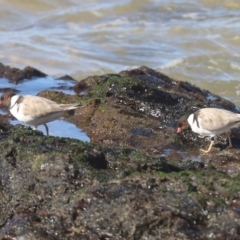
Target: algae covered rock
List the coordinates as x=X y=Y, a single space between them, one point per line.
x=136 y=179
x=60 y=188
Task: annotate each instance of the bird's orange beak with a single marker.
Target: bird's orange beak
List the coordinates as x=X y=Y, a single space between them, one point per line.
x=0 y=102
x=179 y=130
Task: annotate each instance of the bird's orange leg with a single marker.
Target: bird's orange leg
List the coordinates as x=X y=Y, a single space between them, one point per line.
x=210 y=147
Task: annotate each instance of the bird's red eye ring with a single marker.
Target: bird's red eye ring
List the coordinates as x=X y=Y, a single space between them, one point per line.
x=5 y=98
x=181 y=124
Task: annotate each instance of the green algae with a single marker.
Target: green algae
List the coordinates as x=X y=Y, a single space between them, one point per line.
x=114 y=84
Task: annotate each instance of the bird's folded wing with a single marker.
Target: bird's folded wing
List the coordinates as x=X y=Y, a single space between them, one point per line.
x=217 y=120
x=37 y=106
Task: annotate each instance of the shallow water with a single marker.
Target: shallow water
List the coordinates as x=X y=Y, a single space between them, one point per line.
x=60 y=128
x=32 y=87
x=196 y=41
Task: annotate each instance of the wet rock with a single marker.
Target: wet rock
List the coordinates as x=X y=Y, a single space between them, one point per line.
x=67 y=77
x=56 y=190
x=16 y=75
x=140 y=108
x=137 y=179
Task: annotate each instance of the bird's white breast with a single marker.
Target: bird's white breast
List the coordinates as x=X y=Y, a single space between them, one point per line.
x=16 y=110
x=197 y=128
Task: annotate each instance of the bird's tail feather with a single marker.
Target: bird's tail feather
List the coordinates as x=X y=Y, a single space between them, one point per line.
x=70 y=106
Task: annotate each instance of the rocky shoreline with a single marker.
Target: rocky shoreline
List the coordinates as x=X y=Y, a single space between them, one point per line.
x=137 y=179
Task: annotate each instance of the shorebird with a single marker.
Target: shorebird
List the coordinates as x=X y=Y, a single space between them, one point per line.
x=35 y=110
x=210 y=122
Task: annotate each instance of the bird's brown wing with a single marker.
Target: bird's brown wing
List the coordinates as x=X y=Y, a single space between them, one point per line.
x=214 y=119
x=36 y=106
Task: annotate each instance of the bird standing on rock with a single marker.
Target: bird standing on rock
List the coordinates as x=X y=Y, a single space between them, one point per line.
x=210 y=122
x=35 y=110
